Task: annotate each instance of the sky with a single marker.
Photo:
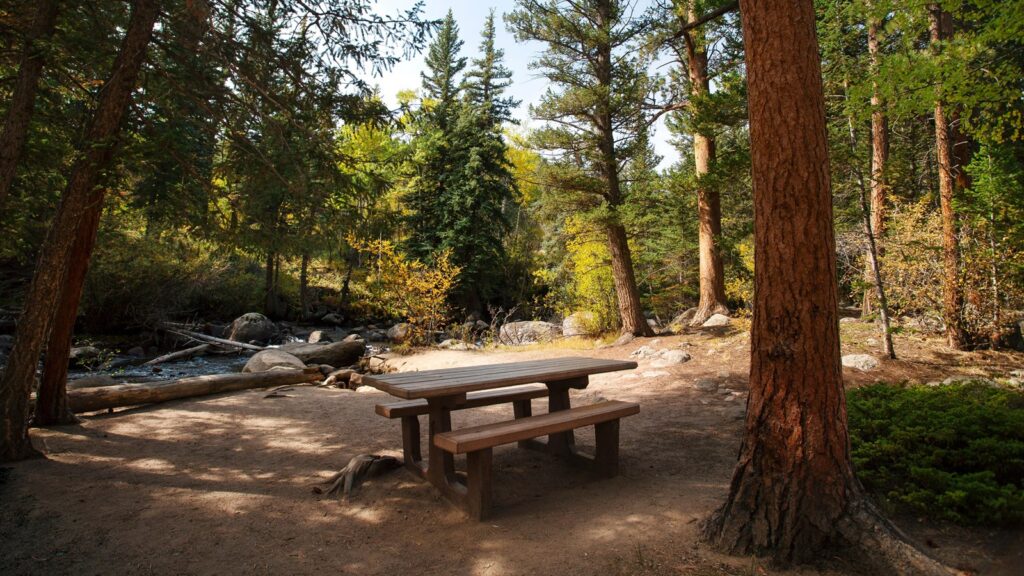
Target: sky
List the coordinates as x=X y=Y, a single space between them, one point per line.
x=526 y=86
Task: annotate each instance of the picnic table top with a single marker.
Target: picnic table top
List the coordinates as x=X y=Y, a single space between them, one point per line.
x=455 y=381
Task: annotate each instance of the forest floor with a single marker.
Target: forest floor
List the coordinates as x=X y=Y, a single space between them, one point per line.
x=222 y=484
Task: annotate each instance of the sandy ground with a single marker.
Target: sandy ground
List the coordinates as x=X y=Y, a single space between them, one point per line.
x=222 y=484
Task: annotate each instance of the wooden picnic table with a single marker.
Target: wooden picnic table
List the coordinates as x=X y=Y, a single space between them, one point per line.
x=445 y=389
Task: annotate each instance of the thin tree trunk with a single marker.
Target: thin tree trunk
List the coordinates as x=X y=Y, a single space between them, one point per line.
x=709 y=208
x=270 y=294
x=79 y=197
x=940 y=27
x=879 y=159
x=51 y=402
x=793 y=493
x=304 y=287
x=23 y=97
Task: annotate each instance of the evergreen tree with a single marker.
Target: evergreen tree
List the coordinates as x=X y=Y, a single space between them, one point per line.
x=489 y=77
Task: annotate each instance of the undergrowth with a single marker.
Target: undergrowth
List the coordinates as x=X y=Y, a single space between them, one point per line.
x=952 y=452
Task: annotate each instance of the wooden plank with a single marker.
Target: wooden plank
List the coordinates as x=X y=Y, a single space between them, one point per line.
x=426 y=375
x=449 y=382
x=474 y=400
x=489 y=435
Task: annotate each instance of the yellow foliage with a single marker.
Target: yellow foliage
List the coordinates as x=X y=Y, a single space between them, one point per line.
x=591 y=287
x=409 y=288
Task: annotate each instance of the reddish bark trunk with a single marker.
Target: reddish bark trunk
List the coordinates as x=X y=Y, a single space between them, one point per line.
x=23 y=97
x=630 y=311
x=709 y=207
x=793 y=492
x=52 y=267
x=940 y=26
x=51 y=401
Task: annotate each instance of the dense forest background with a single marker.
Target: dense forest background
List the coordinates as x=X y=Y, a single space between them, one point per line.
x=257 y=170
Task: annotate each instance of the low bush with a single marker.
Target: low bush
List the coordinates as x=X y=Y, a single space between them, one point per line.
x=952 y=452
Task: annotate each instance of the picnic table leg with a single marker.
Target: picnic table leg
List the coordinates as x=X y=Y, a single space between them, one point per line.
x=440 y=464
x=563 y=443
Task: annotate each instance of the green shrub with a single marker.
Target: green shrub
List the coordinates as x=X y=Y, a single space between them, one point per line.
x=953 y=452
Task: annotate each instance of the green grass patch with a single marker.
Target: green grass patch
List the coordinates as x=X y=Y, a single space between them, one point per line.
x=953 y=452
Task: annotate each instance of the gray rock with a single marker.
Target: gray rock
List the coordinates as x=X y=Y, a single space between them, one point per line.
x=528 y=332
x=624 y=339
x=400 y=332
x=644 y=352
x=453 y=344
x=705 y=385
x=716 y=320
x=333 y=353
x=374 y=335
x=671 y=357
x=862 y=362
x=252 y=327
x=266 y=360
x=966 y=379
x=683 y=318
x=847 y=320
x=84 y=353
x=366 y=389
x=332 y=318
x=353 y=338
x=582 y=323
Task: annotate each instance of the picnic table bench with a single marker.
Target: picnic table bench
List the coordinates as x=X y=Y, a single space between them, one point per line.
x=436 y=393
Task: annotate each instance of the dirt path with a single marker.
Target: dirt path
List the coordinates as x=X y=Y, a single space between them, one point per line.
x=222 y=485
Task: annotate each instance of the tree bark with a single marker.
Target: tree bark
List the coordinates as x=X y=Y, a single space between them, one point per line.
x=940 y=26
x=879 y=159
x=630 y=310
x=23 y=97
x=80 y=196
x=270 y=295
x=51 y=401
x=709 y=207
x=304 y=288
x=793 y=493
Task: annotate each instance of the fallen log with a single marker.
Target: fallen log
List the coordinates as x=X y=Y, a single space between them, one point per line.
x=91 y=399
x=214 y=339
x=186 y=353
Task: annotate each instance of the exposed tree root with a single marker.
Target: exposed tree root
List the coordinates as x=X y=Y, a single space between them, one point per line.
x=359 y=468
x=707 y=310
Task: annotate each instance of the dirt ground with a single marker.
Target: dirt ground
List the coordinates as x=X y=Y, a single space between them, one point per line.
x=223 y=484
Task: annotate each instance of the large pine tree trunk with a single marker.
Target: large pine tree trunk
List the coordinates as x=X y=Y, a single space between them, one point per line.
x=630 y=310
x=879 y=159
x=51 y=402
x=940 y=26
x=52 y=267
x=709 y=210
x=23 y=96
x=793 y=493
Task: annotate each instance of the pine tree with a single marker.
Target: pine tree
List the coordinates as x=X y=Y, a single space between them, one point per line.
x=488 y=78
x=596 y=115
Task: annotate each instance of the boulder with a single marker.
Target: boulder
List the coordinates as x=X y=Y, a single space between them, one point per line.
x=319 y=337
x=671 y=358
x=353 y=338
x=252 y=327
x=862 y=362
x=715 y=321
x=453 y=344
x=83 y=355
x=333 y=318
x=333 y=353
x=266 y=360
x=400 y=332
x=644 y=352
x=684 y=317
x=528 y=332
x=580 y=324
x=374 y=335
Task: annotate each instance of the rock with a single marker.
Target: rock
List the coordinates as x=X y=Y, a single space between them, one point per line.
x=715 y=321
x=847 y=320
x=862 y=362
x=355 y=380
x=582 y=323
x=137 y=351
x=333 y=353
x=339 y=378
x=653 y=324
x=453 y=344
x=96 y=381
x=671 y=358
x=353 y=338
x=326 y=369
x=705 y=385
x=319 y=336
x=366 y=389
x=374 y=335
x=624 y=339
x=481 y=325
x=683 y=318
x=1017 y=374
x=80 y=355
x=333 y=318
x=653 y=373
x=266 y=360
x=966 y=379
x=252 y=327
x=528 y=332
x=400 y=332
x=644 y=352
